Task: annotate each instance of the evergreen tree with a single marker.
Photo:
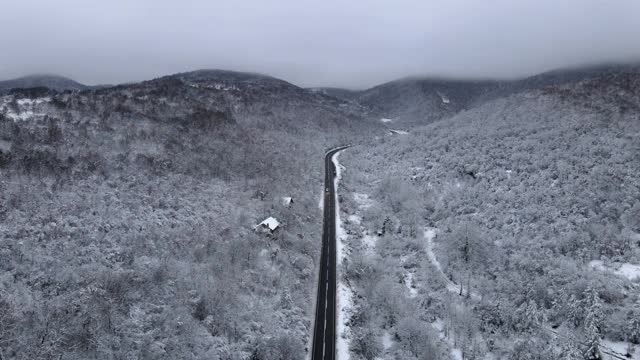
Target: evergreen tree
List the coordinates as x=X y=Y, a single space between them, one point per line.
x=633 y=326
x=592 y=323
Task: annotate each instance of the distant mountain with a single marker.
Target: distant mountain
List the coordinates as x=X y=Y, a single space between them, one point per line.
x=416 y=100
x=338 y=93
x=53 y=82
x=251 y=99
x=423 y=100
x=203 y=99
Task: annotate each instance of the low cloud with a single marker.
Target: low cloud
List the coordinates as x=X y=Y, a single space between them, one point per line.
x=330 y=43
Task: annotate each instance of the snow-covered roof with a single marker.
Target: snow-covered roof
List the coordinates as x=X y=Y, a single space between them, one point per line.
x=398 y=132
x=270 y=222
x=286 y=200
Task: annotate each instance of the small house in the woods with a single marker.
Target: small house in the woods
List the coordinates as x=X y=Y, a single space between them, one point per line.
x=269 y=224
x=287 y=201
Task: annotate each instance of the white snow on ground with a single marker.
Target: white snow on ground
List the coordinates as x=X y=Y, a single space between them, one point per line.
x=408 y=278
x=385 y=120
x=444 y=99
x=408 y=282
x=28 y=102
x=362 y=200
x=345 y=295
x=456 y=353
x=21 y=116
x=25 y=108
x=398 y=132
x=354 y=219
x=429 y=235
x=340 y=233
x=508 y=173
x=5 y=146
x=628 y=270
x=321 y=202
x=618 y=348
x=387 y=342
x=369 y=242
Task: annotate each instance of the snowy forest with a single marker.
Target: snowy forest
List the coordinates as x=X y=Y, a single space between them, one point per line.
x=510 y=230
x=484 y=221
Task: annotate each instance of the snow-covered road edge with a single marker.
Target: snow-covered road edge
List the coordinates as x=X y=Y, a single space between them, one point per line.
x=344 y=294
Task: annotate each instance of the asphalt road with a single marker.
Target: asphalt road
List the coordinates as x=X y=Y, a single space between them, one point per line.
x=324 y=331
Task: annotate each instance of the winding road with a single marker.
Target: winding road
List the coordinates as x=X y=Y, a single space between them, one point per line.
x=324 y=330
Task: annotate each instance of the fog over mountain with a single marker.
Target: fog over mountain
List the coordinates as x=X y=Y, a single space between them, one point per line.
x=353 y=44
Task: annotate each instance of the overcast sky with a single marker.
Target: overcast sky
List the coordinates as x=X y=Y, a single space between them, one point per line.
x=348 y=43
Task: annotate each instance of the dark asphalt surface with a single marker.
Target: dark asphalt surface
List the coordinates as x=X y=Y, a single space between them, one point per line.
x=324 y=331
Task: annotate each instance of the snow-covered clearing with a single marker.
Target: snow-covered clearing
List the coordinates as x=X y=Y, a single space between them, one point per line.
x=5 y=146
x=362 y=200
x=369 y=242
x=387 y=341
x=29 y=102
x=24 y=109
x=354 y=219
x=618 y=348
x=345 y=294
x=408 y=282
x=20 y=116
x=628 y=270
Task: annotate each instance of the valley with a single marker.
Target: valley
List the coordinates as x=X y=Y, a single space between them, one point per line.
x=475 y=219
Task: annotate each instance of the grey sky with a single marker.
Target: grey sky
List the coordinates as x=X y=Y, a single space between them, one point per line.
x=353 y=43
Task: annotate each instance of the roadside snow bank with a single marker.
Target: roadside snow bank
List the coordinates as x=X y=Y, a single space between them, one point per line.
x=345 y=294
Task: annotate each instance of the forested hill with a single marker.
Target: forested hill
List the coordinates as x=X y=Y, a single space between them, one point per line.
x=49 y=81
x=417 y=101
x=127 y=216
x=128 y=213
x=535 y=200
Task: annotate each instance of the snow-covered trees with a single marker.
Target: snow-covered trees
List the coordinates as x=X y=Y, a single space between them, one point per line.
x=126 y=221
x=366 y=343
x=592 y=323
x=633 y=324
x=548 y=180
x=466 y=252
x=416 y=337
